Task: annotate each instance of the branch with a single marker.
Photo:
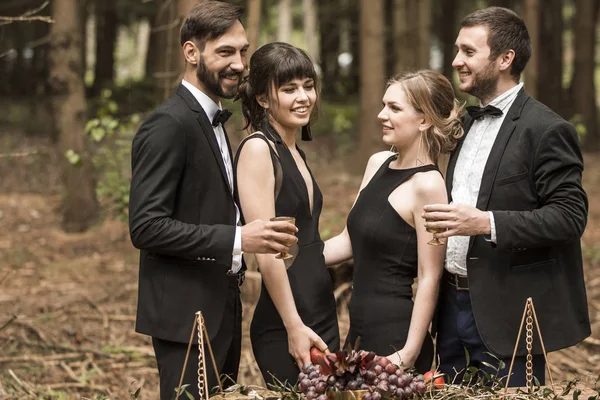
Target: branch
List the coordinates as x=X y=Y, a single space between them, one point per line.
x=18 y=154
x=29 y=16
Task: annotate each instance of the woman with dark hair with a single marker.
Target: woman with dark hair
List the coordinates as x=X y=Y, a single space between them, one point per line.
x=296 y=309
x=385 y=233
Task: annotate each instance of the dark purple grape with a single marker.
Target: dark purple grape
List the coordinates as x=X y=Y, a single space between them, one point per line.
x=393 y=379
x=377 y=369
x=313 y=375
x=311 y=389
x=311 y=395
x=383 y=386
x=321 y=387
x=331 y=380
x=399 y=372
x=321 y=397
x=364 y=386
x=301 y=376
x=408 y=392
x=420 y=386
x=367 y=396
x=370 y=376
x=383 y=376
x=353 y=385
x=304 y=385
x=339 y=386
x=376 y=396
x=400 y=393
x=391 y=387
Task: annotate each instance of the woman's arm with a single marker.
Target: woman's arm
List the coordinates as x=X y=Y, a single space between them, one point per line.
x=339 y=248
x=428 y=187
x=256 y=185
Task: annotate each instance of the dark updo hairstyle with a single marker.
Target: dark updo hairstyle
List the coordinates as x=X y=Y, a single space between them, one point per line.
x=272 y=66
x=430 y=93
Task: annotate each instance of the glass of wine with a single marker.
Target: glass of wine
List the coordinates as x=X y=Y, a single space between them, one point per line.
x=285 y=255
x=435 y=241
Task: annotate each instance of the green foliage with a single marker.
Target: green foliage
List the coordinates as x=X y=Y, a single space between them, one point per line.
x=338 y=122
x=577 y=121
x=110 y=137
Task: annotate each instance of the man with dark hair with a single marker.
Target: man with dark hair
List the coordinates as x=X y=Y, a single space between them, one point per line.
x=517 y=214
x=182 y=214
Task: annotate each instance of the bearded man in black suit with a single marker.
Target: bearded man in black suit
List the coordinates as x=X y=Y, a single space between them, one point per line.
x=518 y=212
x=183 y=217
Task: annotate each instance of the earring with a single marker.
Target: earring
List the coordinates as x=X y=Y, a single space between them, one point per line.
x=418 y=161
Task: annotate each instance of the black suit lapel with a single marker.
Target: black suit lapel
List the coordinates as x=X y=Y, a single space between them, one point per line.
x=207 y=129
x=498 y=148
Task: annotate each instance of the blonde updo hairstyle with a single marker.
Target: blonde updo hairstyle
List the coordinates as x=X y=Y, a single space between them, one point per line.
x=430 y=93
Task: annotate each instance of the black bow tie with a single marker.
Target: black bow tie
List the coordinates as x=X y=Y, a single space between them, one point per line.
x=478 y=112
x=221 y=117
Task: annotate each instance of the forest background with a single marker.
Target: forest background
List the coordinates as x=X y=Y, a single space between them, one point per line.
x=78 y=76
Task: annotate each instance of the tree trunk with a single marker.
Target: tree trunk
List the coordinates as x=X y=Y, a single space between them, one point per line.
x=424 y=47
x=448 y=30
x=550 y=72
x=107 y=26
x=311 y=35
x=407 y=34
x=583 y=89
x=329 y=46
x=253 y=29
x=372 y=68
x=80 y=206
x=531 y=16
x=284 y=31
x=183 y=9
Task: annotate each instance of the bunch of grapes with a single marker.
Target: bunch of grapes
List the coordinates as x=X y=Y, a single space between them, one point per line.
x=359 y=371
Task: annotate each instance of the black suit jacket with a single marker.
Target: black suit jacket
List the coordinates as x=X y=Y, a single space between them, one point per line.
x=532 y=183
x=182 y=218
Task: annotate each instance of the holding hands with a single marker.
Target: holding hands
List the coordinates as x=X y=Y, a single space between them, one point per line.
x=456 y=220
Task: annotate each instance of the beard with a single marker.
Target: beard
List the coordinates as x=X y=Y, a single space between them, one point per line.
x=484 y=83
x=212 y=81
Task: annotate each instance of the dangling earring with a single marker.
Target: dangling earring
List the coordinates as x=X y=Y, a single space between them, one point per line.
x=419 y=162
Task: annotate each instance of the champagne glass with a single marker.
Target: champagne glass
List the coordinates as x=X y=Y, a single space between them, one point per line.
x=285 y=255
x=435 y=241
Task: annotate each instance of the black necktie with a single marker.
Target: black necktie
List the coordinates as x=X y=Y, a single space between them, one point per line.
x=221 y=117
x=478 y=112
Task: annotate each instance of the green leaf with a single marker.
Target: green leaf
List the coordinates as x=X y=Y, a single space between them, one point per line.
x=73 y=157
x=97 y=134
x=92 y=123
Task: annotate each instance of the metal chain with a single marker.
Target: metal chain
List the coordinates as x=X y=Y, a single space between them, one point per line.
x=201 y=360
x=529 y=341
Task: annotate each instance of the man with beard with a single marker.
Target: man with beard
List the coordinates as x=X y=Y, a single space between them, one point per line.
x=517 y=214
x=182 y=214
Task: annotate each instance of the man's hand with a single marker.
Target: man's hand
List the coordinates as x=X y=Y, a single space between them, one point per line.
x=268 y=237
x=456 y=220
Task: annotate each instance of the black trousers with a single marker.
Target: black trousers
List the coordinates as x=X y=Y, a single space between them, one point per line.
x=226 y=347
x=457 y=333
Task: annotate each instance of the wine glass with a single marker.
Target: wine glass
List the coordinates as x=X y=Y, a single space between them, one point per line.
x=285 y=255
x=435 y=241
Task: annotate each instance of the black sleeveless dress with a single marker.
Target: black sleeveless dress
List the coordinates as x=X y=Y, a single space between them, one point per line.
x=385 y=266
x=310 y=281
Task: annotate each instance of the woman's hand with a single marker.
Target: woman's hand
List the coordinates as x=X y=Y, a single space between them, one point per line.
x=403 y=358
x=300 y=341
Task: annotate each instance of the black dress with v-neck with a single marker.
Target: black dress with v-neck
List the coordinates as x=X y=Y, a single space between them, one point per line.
x=385 y=253
x=311 y=284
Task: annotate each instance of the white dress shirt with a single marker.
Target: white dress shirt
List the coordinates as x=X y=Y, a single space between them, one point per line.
x=468 y=173
x=210 y=108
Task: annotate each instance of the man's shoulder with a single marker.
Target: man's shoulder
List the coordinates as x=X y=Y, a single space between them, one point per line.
x=537 y=114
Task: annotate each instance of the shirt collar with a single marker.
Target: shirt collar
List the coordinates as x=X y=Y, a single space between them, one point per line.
x=506 y=99
x=207 y=104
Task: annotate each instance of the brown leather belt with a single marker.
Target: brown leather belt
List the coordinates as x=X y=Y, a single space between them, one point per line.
x=460 y=282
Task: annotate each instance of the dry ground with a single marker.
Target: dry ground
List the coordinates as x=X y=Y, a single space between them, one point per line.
x=67 y=301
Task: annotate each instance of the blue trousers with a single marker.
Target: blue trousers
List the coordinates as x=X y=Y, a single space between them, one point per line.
x=458 y=334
